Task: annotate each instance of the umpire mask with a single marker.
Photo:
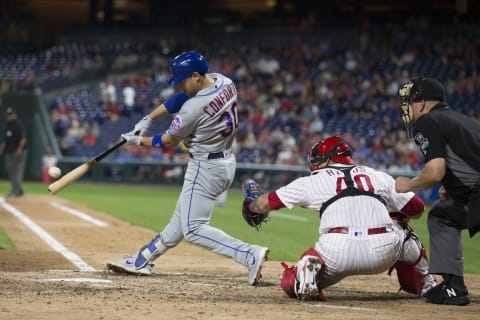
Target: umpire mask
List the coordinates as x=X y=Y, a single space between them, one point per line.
x=428 y=89
x=406 y=104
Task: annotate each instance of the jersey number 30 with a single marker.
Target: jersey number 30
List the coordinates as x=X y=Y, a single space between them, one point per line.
x=230 y=118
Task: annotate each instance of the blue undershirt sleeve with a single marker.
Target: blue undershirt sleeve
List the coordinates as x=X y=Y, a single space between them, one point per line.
x=175 y=102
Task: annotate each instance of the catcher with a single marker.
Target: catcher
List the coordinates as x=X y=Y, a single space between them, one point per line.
x=358 y=235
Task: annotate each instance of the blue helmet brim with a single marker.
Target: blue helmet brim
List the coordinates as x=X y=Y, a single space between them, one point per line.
x=174 y=81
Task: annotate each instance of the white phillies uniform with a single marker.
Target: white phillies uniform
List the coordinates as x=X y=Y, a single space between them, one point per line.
x=355 y=252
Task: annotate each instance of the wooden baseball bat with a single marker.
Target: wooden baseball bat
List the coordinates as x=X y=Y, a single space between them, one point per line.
x=81 y=170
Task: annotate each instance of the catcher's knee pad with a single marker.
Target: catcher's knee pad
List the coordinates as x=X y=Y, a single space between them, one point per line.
x=287 y=282
x=409 y=278
x=412 y=269
x=150 y=252
x=312 y=252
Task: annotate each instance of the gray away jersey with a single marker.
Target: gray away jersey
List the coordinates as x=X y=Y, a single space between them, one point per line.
x=208 y=121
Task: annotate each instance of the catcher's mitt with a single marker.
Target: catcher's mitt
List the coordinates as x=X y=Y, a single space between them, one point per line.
x=252 y=191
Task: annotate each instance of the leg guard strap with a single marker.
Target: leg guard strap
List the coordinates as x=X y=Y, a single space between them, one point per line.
x=150 y=252
x=413 y=277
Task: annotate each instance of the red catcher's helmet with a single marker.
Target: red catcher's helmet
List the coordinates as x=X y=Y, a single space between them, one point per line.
x=333 y=148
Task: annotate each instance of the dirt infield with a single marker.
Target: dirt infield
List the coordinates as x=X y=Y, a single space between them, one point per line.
x=189 y=282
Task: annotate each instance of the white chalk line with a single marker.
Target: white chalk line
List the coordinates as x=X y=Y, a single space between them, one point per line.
x=136 y=288
x=288 y=216
x=70 y=271
x=45 y=236
x=322 y=305
x=82 y=280
x=79 y=214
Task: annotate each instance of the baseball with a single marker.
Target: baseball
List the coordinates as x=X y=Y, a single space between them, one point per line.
x=54 y=172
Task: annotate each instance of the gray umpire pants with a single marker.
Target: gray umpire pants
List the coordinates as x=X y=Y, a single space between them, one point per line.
x=446 y=220
x=15 y=166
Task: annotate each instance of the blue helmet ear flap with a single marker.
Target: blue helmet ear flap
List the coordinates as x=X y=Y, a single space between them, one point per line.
x=183 y=65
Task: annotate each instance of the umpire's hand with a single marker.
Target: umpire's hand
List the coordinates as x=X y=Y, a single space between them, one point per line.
x=402 y=184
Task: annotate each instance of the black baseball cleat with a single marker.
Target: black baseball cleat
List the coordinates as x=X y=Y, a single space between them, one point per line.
x=444 y=293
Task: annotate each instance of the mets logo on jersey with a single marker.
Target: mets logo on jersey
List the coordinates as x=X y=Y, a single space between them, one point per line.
x=422 y=142
x=177 y=123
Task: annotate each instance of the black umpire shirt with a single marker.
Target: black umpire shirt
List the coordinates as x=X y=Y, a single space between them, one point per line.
x=445 y=133
x=14 y=132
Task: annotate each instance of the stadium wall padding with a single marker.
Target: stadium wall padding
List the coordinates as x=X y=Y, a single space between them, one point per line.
x=31 y=112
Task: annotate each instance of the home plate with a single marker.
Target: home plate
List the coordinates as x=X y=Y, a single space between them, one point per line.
x=92 y=280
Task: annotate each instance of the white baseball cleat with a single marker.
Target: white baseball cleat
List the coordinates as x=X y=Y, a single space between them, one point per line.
x=127 y=265
x=254 y=270
x=306 y=287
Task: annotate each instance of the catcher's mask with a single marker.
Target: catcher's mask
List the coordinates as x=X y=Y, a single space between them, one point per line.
x=427 y=89
x=333 y=148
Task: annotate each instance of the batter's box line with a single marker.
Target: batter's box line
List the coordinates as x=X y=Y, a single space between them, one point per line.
x=45 y=236
x=323 y=305
x=79 y=214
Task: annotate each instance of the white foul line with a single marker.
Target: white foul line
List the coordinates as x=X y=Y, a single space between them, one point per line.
x=92 y=280
x=57 y=246
x=79 y=214
x=288 y=216
x=321 y=305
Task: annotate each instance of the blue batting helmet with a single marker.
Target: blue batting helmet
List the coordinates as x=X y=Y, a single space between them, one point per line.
x=183 y=65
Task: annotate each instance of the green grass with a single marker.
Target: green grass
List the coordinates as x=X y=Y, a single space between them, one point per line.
x=5 y=242
x=152 y=207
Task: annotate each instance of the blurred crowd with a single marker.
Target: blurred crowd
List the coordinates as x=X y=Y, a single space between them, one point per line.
x=292 y=92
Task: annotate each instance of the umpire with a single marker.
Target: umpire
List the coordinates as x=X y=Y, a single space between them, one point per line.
x=450 y=142
x=14 y=146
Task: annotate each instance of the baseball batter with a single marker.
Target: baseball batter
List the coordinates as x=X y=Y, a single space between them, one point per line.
x=206 y=123
x=358 y=236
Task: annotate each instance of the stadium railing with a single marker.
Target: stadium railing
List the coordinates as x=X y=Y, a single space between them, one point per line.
x=171 y=173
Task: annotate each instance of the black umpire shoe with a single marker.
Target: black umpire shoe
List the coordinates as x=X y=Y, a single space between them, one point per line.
x=451 y=291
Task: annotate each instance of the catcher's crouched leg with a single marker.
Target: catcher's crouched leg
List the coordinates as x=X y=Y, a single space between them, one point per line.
x=412 y=267
x=300 y=281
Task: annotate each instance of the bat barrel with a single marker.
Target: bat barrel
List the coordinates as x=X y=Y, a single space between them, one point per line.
x=78 y=172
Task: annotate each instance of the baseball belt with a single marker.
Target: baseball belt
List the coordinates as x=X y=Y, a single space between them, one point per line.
x=370 y=231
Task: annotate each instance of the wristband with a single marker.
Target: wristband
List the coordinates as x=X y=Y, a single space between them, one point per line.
x=157 y=141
